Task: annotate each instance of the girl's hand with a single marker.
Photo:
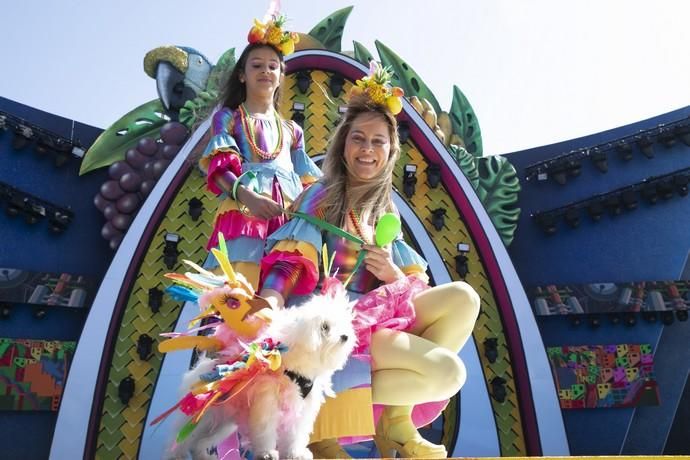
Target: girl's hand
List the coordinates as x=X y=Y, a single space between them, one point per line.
x=379 y=262
x=259 y=205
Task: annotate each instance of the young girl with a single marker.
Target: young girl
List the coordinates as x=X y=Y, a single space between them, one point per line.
x=255 y=161
x=413 y=332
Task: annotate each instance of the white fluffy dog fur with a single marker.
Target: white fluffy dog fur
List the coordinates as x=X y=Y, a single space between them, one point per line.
x=272 y=417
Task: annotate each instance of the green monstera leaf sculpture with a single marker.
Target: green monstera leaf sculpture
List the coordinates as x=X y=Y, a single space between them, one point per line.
x=362 y=54
x=467 y=162
x=465 y=123
x=330 y=30
x=498 y=190
x=144 y=121
x=405 y=76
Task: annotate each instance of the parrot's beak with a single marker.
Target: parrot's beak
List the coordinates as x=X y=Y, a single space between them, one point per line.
x=171 y=87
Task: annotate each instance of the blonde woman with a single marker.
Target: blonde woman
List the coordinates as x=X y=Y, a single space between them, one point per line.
x=413 y=333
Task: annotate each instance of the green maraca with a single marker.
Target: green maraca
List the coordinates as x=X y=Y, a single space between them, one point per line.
x=387 y=228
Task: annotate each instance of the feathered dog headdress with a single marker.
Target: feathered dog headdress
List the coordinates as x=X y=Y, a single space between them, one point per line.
x=227 y=297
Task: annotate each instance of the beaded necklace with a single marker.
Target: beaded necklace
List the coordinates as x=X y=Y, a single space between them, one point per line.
x=356 y=223
x=251 y=137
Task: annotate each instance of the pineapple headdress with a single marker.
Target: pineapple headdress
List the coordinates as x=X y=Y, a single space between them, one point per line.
x=377 y=87
x=270 y=31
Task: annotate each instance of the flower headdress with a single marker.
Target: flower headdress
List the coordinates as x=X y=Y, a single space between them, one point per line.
x=270 y=31
x=376 y=85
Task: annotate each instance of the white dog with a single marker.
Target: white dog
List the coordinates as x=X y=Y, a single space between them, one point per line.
x=275 y=413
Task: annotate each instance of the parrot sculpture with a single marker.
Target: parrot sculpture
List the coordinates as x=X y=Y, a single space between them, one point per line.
x=181 y=73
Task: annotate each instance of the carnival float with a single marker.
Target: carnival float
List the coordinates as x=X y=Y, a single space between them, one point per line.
x=579 y=252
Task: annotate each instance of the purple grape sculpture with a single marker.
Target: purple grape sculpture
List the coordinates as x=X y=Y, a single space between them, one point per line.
x=131 y=180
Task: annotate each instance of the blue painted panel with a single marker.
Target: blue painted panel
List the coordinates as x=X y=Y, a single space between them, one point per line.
x=27 y=434
x=80 y=248
x=648 y=243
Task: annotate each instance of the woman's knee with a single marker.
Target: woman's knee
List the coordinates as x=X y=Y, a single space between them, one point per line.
x=463 y=298
x=449 y=374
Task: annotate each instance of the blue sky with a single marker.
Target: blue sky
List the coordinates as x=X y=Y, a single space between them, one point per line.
x=535 y=71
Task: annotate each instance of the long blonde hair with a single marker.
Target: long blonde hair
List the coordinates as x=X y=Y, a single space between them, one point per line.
x=370 y=198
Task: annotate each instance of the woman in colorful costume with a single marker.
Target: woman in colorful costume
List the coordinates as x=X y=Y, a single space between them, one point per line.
x=255 y=162
x=413 y=333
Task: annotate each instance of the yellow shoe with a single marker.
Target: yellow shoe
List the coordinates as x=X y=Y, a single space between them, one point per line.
x=417 y=447
x=328 y=448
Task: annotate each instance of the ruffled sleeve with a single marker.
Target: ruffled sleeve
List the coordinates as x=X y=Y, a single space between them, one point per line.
x=305 y=167
x=221 y=153
x=408 y=260
x=297 y=244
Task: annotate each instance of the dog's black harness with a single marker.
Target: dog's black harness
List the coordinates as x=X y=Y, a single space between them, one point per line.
x=305 y=385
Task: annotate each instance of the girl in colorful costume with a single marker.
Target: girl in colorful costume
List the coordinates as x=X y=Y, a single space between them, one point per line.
x=413 y=333
x=255 y=161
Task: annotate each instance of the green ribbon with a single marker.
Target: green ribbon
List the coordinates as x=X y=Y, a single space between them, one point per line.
x=326 y=226
x=387 y=227
x=336 y=231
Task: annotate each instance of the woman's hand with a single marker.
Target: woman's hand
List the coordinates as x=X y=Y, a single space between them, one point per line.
x=379 y=262
x=258 y=205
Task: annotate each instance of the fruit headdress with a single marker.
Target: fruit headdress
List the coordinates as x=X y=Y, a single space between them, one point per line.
x=270 y=31
x=377 y=87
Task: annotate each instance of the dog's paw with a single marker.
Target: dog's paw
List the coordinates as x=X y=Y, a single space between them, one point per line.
x=266 y=455
x=300 y=454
